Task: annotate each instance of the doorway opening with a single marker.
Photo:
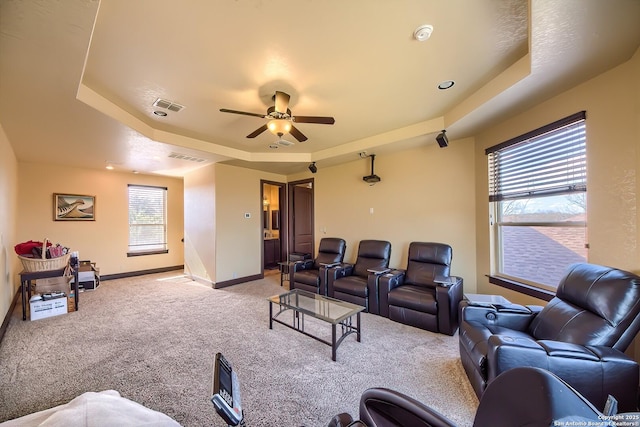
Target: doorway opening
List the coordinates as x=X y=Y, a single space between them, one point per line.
x=274 y=230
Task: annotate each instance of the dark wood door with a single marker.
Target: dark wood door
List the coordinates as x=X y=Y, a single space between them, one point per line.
x=302 y=217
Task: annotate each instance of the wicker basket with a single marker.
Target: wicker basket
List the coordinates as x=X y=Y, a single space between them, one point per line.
x=32 y=265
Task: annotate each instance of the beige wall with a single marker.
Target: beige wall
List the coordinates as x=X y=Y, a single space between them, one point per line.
x=239 y=240
x=200 y=224
x=223 y=244
x=9 y=263
x=104 y=240
x=612 y=103
x=426 y=194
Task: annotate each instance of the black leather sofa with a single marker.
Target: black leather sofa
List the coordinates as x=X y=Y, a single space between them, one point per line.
x=580 y=336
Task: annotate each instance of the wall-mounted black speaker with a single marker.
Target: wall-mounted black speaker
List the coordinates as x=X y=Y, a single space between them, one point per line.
x=442 y=139
x=313 y=168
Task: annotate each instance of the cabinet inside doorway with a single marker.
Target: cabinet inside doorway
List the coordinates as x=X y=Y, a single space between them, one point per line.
x=271 y=252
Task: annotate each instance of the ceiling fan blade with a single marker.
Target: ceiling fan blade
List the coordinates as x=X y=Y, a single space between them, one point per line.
x=297 y=134
x=244 y=113
x=314 y=119
x=257 y=131
x=282 y=102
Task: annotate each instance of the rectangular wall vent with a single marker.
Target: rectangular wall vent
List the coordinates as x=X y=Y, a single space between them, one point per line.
x=169 y=105
x=186 y=157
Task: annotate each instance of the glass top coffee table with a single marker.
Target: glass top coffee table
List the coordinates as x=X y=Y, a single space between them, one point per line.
x=302 y=303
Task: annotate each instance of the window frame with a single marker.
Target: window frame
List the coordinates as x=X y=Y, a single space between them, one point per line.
x=497 y=276
x=143 y=252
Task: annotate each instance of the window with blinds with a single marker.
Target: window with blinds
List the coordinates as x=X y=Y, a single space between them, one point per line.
x=537 y=196
x=147 y=220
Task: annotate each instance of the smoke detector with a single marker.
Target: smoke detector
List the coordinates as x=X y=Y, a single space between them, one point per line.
x=423 y=32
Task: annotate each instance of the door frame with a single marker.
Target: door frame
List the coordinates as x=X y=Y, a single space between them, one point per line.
x=283 y=216
x=291 y=212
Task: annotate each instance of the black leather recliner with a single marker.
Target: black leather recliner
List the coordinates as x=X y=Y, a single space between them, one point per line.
x=580 y=335
x=311 y=275
x=356 y=283
x=520 y=397
x=414 y=298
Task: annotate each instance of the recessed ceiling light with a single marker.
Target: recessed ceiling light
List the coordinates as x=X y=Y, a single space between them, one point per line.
x=423 y=32
x=160 y=113
x=447 y=84
x=110 y=167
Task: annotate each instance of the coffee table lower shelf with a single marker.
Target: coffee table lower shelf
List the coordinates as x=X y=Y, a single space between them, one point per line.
x=346 y=324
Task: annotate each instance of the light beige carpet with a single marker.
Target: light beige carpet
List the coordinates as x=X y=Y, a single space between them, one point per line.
x=153 y=338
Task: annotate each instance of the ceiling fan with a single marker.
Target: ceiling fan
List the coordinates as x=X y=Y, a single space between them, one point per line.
x=280 y=119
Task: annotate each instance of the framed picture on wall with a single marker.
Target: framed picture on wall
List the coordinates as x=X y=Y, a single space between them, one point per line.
x=74 y=207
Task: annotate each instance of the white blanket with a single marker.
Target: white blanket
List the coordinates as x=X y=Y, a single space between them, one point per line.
x=103 y=409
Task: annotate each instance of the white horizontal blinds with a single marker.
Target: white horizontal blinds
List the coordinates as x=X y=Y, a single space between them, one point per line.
x=548 y=161
x=147 y=218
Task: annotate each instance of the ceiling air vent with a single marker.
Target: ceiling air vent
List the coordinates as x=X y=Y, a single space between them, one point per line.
x=169 y=105
x=186 y=157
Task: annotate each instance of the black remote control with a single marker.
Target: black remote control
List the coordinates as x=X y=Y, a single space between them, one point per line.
x=226 y=392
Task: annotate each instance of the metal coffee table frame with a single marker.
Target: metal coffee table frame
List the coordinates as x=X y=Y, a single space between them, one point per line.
x=329 y=310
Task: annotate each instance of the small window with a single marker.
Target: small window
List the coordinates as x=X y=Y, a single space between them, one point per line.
x=147 y=220
x=537 y=201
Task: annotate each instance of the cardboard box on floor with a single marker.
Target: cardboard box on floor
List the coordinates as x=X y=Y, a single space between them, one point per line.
x=52 y=284
x=43 y=309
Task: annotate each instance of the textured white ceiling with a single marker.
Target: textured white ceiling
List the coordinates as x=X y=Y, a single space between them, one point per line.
x=81 y=76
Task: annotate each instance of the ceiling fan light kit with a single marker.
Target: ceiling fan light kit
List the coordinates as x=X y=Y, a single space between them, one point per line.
x=281 y=120
x=279 y=126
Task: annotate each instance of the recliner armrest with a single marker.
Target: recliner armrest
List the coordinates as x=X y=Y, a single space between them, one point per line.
x=378 y=272
x=448 y=299
x=387 y=282
x=302 y=265
x=342 y=270
x=514 y=316
x=335 y=273
x=392 y=279
x=595 y=371
x=385 y=407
